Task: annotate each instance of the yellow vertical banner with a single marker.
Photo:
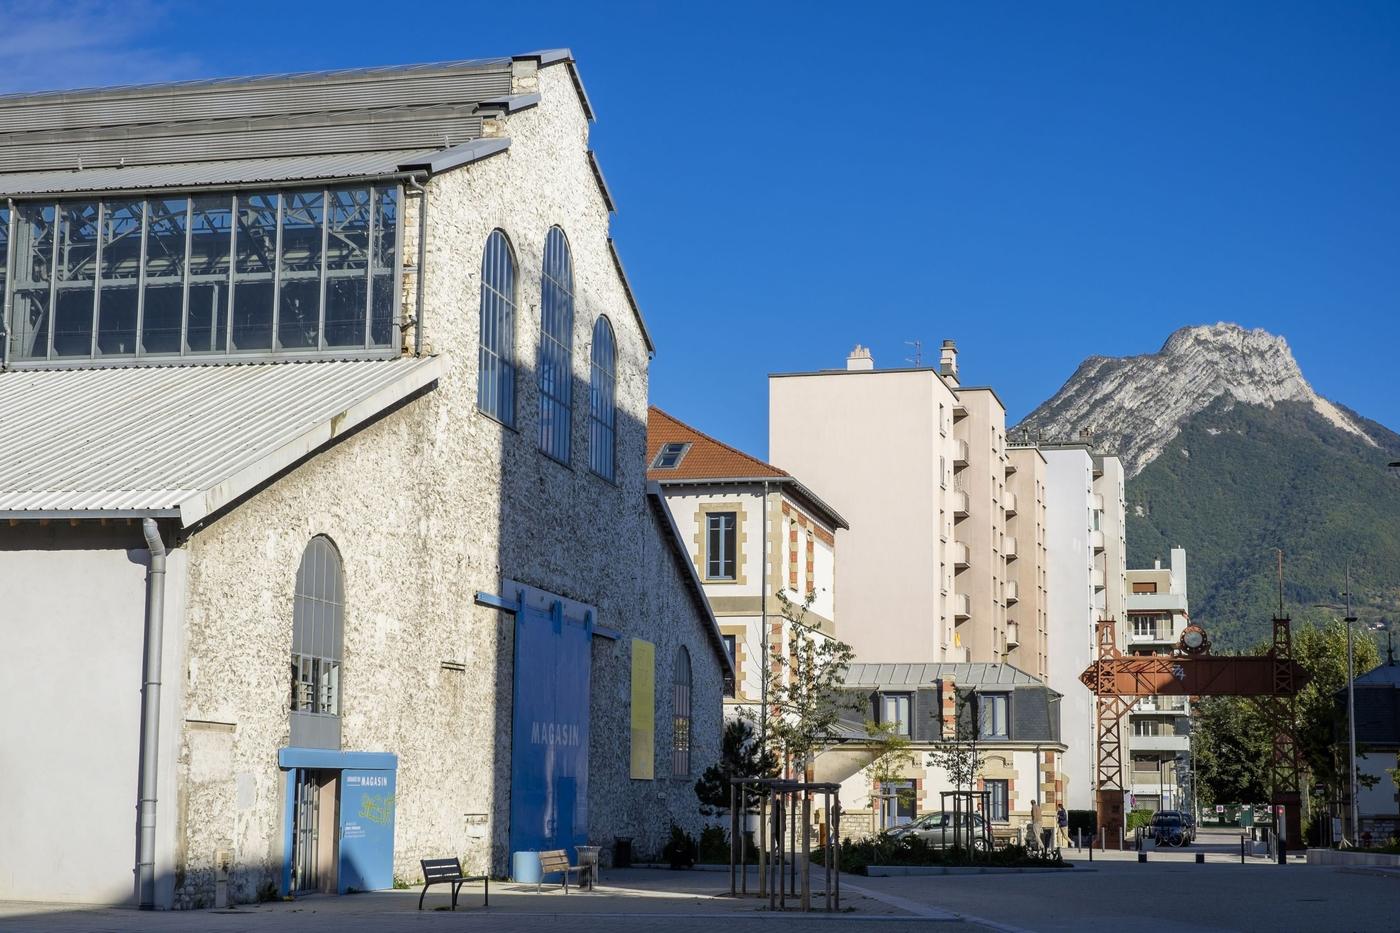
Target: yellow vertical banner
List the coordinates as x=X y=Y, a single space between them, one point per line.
x=643 y=710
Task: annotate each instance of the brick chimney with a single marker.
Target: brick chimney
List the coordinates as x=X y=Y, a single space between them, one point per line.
x=860 y=360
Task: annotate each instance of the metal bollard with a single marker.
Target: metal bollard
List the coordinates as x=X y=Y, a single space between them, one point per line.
x=1241 y=848
x=1200 y=858
x=1142 y=856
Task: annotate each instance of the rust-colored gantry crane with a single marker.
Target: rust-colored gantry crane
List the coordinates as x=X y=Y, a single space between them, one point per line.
x=1271 y=680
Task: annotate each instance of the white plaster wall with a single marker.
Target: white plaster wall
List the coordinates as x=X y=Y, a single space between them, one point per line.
x=428 y=505
x=685 y=503
x=72 y=623
x=1070 y=597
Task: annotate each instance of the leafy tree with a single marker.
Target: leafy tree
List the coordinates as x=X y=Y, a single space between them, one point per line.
x=959 y=757
x=741 y=756
x=804 y=681
x=1233 y=741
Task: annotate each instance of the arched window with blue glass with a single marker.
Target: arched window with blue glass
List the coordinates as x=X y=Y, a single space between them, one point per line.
x=556 y=346
x=495 y=385
x=602 y=402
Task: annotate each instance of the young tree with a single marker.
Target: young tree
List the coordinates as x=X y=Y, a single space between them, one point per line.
x=959 y=756
x=804 y=681
x=741 y=756
x=891 y=756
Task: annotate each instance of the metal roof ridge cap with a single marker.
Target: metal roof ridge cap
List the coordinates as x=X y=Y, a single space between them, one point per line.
x=271 y=462
x=602 y=182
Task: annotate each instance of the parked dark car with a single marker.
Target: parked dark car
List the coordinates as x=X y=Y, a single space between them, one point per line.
x=1171 y=827
x=936 y=830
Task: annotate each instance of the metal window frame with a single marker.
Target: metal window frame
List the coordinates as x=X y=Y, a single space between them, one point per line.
x=729 y=554
x=503 y=363
x=600 y=429
x=562 y=404
x=376 y=189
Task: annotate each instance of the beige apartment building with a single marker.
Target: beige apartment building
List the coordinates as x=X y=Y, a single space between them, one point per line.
x=919 y=465
x=756 y=536
x=1027 y=607
x=1158 y=728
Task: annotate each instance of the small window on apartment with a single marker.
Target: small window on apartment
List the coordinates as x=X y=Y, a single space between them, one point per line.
x=998 y=803
x=894 y=710
x=669 y=456
x=898 y=801
x=1144 y=587
x=720 y=540
x=730 y=648
x=992 y=709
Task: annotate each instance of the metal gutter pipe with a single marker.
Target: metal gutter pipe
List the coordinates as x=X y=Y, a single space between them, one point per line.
x=416 y=185
x=150 y=719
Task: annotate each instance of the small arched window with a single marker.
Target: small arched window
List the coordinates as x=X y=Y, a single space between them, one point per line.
x=680 y=706
x=602 y=402
x=556 y=346
x=318 y=631
x=495 y=384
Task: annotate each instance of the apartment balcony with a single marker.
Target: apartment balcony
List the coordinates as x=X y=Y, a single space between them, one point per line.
x=1013 y=635
x=1096 y=540
x=960 y=452
x=1096 y=502
x=1170 y=705
x=960 y=503
x=1010 y=466
x=1154 y=636
x=962 y=606
x=1096 y=576
x=1012 y=592
x=1009 y=500
x=1008 y=548
x=1159 y=743
x=960 y=555
x=959 y=411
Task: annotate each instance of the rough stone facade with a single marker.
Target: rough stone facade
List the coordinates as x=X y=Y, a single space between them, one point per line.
x=429 y=505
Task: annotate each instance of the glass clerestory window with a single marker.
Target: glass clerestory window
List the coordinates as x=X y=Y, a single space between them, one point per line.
x=300 y=271
x=602 y=402
x=556 y=347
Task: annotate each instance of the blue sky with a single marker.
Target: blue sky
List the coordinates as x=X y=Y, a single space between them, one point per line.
x=1038 y=181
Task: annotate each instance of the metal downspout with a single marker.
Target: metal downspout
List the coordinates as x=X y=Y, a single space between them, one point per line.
x=150 y=719
x=422 y=259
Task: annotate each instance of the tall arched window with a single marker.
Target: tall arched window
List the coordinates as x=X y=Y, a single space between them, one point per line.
x=495 y=382
x=680 y=706
x=602 y=402
x=556 y=346
x=318 y=641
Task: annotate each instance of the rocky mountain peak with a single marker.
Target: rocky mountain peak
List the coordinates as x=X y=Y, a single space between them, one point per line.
x=1135 y=405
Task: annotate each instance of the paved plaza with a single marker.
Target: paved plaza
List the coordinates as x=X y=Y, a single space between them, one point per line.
x=1168 y=894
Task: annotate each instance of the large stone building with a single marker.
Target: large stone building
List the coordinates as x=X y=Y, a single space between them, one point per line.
x=762 y=543
x=324 y=400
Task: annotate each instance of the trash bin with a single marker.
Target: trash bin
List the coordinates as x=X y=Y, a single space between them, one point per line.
x=525 y=868
x=622 y=851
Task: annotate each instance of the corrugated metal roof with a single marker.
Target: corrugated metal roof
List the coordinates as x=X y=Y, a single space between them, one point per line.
x=202 y=174
x=179 y=439
x=360 y=110
x=915 y=675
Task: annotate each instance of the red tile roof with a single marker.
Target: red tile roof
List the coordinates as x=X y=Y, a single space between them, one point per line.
x=706 y=457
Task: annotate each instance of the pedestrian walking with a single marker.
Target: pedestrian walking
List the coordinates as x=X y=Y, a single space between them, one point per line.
x=1035 y=823
x=1062 y=826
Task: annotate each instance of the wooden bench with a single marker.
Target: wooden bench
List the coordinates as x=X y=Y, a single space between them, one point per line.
x=556 y=861
x=449 y=871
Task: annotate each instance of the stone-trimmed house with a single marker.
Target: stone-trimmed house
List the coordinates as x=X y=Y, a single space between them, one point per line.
x=1017 y=722
x=755 y=535
x=323 y=401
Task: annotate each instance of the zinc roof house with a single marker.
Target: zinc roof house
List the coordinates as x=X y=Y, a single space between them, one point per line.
x=326 y=539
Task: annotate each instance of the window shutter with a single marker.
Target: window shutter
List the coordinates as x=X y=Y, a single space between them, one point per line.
x=926 y=726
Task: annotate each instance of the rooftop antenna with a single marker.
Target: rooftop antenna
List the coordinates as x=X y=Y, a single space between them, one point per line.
x=1279 y=551
x=918 y=358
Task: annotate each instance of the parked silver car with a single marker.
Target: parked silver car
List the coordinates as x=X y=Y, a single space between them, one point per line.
x=937 y=830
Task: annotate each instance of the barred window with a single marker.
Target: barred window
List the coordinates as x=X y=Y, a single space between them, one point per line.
x=602 y=402
x=318 y=630
x=495 y=387
x=556 y=346
x=680 y=706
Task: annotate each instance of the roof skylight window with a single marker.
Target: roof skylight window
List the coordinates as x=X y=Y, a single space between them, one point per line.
x=669 y=456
